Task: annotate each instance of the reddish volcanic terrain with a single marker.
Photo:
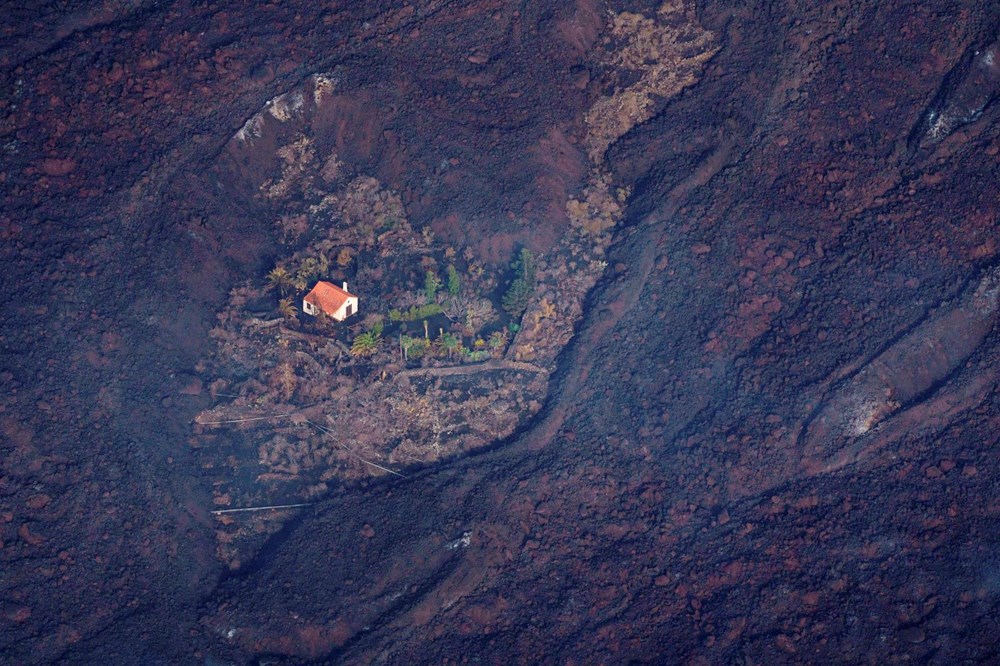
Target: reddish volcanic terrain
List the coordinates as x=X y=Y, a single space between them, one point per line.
x=771 y=439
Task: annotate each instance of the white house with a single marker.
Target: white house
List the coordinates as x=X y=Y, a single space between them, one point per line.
x=330 y=299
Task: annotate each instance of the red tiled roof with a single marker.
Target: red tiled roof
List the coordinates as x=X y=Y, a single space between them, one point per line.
x=327 y=297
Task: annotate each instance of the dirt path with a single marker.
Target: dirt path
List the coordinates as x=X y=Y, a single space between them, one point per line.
x=453 y=370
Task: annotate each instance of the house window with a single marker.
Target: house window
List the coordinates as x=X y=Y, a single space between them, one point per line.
x=350 y=309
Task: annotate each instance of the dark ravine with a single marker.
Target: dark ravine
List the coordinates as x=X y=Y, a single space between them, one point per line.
x=796 y=215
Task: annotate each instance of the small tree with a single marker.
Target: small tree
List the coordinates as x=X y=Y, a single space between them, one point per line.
x=412 y=347
x=455 y=307
x=498 y=341
x=406 y=343
x=431 y=285
x=344 y=257
x=515 y=301
x=454 y=283
x=479 y=313
x=449 y=343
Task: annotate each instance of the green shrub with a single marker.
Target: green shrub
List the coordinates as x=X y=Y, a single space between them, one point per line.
x=454 y=283
x=413 y=347
x=416 y=313
x=366 y=344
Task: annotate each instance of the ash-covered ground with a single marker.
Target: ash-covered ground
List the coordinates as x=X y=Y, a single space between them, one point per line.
x=770 y=439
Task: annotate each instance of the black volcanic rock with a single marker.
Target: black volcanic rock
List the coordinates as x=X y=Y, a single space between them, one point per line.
x=826 y=190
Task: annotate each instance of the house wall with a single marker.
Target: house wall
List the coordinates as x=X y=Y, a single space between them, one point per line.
x=339 y=315
x=342 y=312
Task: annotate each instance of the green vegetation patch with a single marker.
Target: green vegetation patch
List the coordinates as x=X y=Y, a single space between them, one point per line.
x=416 y=313
x=518 y=295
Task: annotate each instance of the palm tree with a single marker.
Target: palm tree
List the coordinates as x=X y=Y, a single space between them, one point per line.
x=450 y=343
x=287 y=309
x=406 y=343
x=366 y=344
x=497 y=341
x=279 y=278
